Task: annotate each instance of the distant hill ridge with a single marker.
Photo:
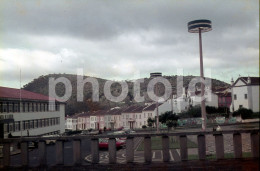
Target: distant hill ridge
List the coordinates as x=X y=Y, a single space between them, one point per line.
x=40 y=85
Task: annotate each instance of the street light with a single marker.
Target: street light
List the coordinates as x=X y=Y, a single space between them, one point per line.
x=154 y=75
x=201 y=26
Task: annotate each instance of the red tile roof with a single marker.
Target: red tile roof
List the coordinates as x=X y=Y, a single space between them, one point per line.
x=12 y=93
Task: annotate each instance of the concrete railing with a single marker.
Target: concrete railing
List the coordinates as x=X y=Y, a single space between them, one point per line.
x=76 y=145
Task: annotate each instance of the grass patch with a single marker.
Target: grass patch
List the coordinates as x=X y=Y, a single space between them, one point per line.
x=174 y=144
x=226 y=156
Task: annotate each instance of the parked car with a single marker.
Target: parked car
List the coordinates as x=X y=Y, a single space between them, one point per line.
x=50 y=141
x=103 y=143
x=120 y=133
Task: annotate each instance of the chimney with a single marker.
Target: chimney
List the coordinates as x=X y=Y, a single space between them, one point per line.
x=248 y=80
x=232 y=81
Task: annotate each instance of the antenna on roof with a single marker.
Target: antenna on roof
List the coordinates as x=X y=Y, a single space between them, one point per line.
x=20 y=84
x=20 y=99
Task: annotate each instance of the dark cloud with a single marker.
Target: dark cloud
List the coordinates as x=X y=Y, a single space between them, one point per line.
x=113 y=39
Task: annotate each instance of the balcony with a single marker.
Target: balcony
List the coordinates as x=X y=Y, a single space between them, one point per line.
x=200 y=162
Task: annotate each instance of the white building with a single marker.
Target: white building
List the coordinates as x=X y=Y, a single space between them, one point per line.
x=128 y=116
x=150 y=112
x=211 y=98
x=71 y=123
x=24 y=113
x=97 y=119
x=180 y=103
x=245 y=93
x=113 y=118
x=83 y=122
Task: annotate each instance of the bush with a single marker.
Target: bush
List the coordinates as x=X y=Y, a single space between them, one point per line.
x=144 y=126
x=245 y=113
x=195 y=112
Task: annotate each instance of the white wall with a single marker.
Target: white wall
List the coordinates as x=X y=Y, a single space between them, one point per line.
x=23 y=116
x=255 y=98
x=240 y=93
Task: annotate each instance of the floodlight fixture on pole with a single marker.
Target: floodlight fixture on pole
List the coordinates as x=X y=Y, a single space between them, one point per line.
x=154 y=75
x=201 y=26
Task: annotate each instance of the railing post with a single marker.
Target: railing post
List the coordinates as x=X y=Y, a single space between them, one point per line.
x=255 y=144
x=147 y=149
x=24 y=153
x=112 y=150
x=237 y=141
x=219 y=143
x=165 y=148
x=129 y=150
x=183 y=147
x=42 y=153
x=59 y=152
x=94 y=150
x=76 y=152
x=201 y=147
x=6 y=152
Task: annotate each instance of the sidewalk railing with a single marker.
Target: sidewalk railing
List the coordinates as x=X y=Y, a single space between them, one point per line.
x=76 y=145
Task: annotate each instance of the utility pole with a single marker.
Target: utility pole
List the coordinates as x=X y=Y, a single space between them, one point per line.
x=154 y=75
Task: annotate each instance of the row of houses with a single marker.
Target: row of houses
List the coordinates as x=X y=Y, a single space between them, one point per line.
x=244 y=92
x=115 y=118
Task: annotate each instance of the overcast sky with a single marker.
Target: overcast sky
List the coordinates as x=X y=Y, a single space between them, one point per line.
x=126 y=39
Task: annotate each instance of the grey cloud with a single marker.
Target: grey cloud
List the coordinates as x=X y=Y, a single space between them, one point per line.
x=150 y=34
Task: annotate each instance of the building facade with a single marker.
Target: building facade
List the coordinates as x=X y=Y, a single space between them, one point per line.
x=245 y=93
x=24 y=113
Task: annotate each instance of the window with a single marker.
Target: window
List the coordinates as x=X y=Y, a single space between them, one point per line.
x=57 y=107
x=140 y=116
x=1 y=107
x=11 y=126
x=16 y=107
x=26 y=125
x=39 y=123
x=235 y=96
x=245 y=96
x=144 y=115
x=127 y=116
x=4 y=107
x=43 y=123
x=31 y=124
x=10 y=107
x=5 y=127
x=35 y=124
x=29 y=107
x=17 y=126
x=240 y=106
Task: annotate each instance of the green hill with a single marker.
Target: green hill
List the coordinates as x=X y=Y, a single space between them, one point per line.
x=40 y=85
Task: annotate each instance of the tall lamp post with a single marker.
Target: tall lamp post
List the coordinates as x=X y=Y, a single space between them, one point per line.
x=201 y=26
x=154 y=75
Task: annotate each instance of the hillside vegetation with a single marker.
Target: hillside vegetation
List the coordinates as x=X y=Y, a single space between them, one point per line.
x=40 y=85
